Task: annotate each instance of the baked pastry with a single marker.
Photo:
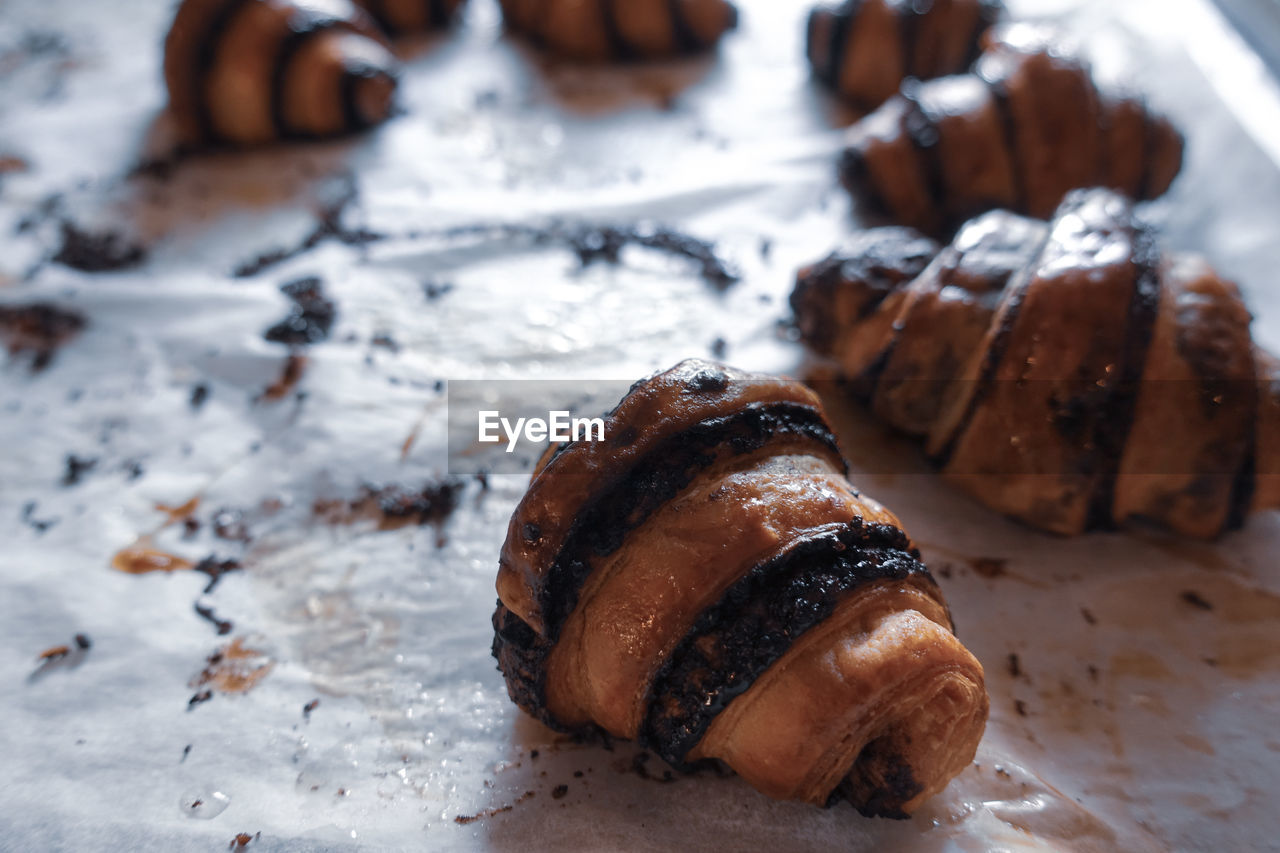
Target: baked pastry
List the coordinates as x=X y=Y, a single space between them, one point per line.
x=1063 y=373
x=248 y=72
x=403 y=17
x=706 y=581
x=601 y=30
x=1027 y=126
x=864 y=49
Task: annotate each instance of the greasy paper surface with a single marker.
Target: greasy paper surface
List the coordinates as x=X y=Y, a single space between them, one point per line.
x=1134 y=717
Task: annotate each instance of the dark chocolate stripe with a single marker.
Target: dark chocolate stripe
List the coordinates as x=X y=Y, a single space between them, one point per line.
x=925 y=139
x=206 y=58
x=1112 y=427
x=353 y=73
x=687 y=40
x=663 y=472
x=909 y=20
x=989 y=14
x=1017 y=289
x=619 y=47
x=1245 y=482
x=841 y=31
x=522 y=659
x=439 y=14
x=302 y=27
x=377 y=10
x=758 y=620
x=1150 y=139
x=1010 y=134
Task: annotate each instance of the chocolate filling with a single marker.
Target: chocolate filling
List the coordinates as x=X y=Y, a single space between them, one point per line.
x=301 y=29
x=756 y=622
x=206 y=58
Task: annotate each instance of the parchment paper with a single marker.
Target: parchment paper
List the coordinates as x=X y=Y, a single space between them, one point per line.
x=1140 y=712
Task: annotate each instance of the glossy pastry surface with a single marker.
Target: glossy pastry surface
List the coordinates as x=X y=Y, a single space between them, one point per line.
x=1064 y=373
x=612 y=30
x=707 y=581
x=248 y=72
x=1027 y=126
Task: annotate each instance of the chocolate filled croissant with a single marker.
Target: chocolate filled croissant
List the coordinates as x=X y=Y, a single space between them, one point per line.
x=706 y=581
x=600 y=30
x=1063 y=373
x=1026 y=127
x=402 y=17
x=248 y=72
x=864 y=49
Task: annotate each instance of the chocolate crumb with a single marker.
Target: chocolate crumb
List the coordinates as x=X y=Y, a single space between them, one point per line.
x=1196 y=600
x=39 y=525
x=1093 y=672
x=290 y=376
x=105 y=251
x=988 y=567
x=199 y=395
x=1088 y=616
x=311 y=318
x=534 y=754
x=76 y=468
x=559 y=792
x=1020 y=707
x=243 y=840
x=1015 y=666
x=83 y=642
x=309 y=707
x=186 y=750
x=215 y=569
x=38 y=329
x=719 y=347
x=433 y=290
x=223 y=626
x=198 y=698
x=577 y=774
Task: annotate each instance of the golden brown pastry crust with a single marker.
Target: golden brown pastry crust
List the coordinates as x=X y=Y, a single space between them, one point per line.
x=1063 y=373
x=605 y=30
x=248 y=72
x=711 y=553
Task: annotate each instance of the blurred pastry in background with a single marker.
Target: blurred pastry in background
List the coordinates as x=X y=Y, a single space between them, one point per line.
x=1021 y=131
x=610 y=30
x=1064 y=373
x=249 y=72
x=406 y=17
x=864 y=49
x=707 y=581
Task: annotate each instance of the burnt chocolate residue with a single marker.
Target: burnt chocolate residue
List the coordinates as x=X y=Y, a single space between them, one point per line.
x=76 y=467
x=243 y=840
x=395 y=505
x=290 y=375
x=594 y=244
x=101 y=251
x=310 y=319
x=222 y=626
x=233 y=668
x=39 y=525
x=329 y=226
x=62 y=656
x=988 y=567
x=215 y=569
x=38 y=330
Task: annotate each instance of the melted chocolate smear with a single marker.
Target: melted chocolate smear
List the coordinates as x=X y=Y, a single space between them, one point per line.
x=604 y=244
x=329 y=226
x=76 y=468
x=38 y=329
x=39 y=525
x=205 y=612
x=311 y=318
x=103 y=251
x=215 y=569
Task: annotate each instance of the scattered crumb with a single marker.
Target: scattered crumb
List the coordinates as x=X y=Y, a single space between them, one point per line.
x=1020 y=707
x=310 y=319
x=222 y=626
x=988 y=567
x=559 y=792
x=38 y=329
x=309 y=707
x=1015 y=666
x=104 y=251
x=1088 y=616
x=243 y=840
x=199 y=394
x=76 y=468
x=294 y=366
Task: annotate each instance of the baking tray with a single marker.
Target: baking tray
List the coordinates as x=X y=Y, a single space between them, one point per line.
x=1125 y=713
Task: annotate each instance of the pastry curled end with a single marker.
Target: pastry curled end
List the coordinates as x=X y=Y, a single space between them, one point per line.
x=249 y=72
x=706 y=581
x=1064 y=373
x=1020 y=132
x=864 y=49
x=406 y=17
x=610 y=30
